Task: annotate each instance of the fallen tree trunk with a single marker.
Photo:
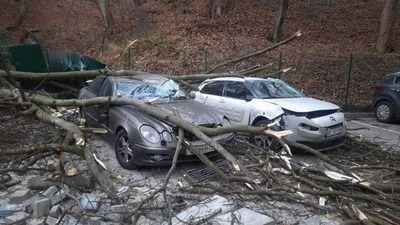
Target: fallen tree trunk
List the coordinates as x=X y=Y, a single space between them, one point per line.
x=200 y=133
x=241 y=58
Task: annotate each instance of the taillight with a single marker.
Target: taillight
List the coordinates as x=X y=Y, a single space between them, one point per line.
x=377 y=87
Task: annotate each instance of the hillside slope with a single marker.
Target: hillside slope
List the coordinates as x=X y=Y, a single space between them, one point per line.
x=184 y=39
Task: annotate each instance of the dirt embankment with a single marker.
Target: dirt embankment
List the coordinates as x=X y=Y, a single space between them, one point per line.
x=183 y=38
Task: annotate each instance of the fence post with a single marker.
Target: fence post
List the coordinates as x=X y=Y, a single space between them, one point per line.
x=129 y=58
x=348 y=80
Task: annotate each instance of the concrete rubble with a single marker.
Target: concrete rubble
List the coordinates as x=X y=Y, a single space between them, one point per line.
x=38 y=201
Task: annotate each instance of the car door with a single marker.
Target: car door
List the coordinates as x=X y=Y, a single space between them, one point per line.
x=236 y=102
x=211 y=95
x=92 y=91
x=101 y=111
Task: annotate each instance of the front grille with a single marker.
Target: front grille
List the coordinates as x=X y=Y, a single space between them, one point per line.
x=191 y=137
x=320 y=113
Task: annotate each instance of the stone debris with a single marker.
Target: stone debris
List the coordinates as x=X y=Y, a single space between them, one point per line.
x=41 y=207
x=17 y=218
x=220 y=211
x=243 y=216
x=39 y=202
x=90 y=201
x=36 y=221
x=9 y=209
x=21 y=195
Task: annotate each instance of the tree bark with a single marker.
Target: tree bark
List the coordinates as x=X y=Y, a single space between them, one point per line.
x=385 y=39
x=277 y=31
x=218 y=7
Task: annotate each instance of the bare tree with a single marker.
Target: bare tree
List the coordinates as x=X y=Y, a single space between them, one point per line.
x=218 y=7
x=385 y=39
x=280 y=17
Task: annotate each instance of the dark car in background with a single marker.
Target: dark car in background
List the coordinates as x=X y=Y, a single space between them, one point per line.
x=386 y=99
x=140 y=139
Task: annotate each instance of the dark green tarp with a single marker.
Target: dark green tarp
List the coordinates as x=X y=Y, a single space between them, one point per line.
x=65 y=60
x=31 y=58
x=28 y=58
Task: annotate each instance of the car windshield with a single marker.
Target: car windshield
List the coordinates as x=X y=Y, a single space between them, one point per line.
x=167 y=90
x=272 y=88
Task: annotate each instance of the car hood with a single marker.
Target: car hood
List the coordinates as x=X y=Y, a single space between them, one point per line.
x=193 y=111
x=302 y=104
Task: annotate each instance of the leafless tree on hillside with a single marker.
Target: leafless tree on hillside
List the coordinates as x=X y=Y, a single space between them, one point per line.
x=280 y=17
x=218 y=7
x=385 y=39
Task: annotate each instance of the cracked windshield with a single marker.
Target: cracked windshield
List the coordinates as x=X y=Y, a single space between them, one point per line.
x=167 y=90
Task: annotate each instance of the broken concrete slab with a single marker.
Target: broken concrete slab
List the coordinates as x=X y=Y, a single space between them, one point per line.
x=41 y=207
x=51 y=220
x=203 y=210
x=36 y=221
x=58 y=197
x=9 y=209
x=17 y=218
x=38 y=183
x=21 y=195
x=119 y=208
x=90 y=201
x=50 y=191
x=55 y=211
x=243 y=216
x=94 y=220
x=70 y=220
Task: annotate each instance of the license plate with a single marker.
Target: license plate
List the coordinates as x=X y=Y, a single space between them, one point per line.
x=202 y=149
x=334 y=131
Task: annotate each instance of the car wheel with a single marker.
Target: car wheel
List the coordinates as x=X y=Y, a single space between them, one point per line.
x=123 y=151
x=264 y=141
x=384 y=112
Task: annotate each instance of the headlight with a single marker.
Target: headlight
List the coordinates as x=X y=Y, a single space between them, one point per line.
x=167 y=136
x=150 y=134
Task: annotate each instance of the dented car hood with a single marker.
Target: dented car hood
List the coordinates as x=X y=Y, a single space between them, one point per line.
x=302 y=104
x=193 y=111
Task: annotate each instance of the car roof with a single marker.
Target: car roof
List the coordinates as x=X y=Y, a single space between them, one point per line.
x=238 y=78
x=145 y=77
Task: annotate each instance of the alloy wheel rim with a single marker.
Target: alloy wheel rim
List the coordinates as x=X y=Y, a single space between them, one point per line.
x=383 y=112
x=263 y=141
x=124 y=149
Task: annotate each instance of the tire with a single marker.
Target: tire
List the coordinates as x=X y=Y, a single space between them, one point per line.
x=123 y=151
x=263 y=141
x=384 y=112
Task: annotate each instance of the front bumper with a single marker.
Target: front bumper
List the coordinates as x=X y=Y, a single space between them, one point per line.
x=163 y=155
x=321 y=133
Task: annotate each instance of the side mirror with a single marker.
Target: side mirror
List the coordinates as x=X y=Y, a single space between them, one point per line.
x=192 y=94
x=249 y=98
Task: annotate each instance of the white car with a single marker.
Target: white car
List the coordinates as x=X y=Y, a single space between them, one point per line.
x=259 y=101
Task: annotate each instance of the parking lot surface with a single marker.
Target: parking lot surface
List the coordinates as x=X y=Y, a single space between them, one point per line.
x=367 y=128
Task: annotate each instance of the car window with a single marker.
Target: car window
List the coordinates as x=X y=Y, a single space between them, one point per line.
x=213 y=88
x=236 y=90
x=106 y=88
x=397 y=80
x=95 y=85
x=272 y=88
x=388 y=80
